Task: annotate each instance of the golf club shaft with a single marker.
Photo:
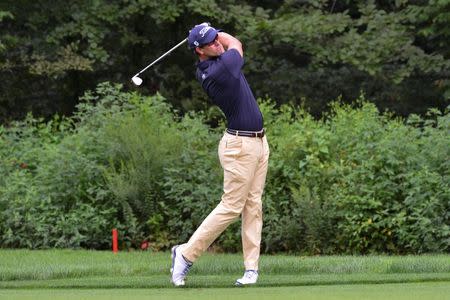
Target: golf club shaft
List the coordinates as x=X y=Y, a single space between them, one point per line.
x=162 y=56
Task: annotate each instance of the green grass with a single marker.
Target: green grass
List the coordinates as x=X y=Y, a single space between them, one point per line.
x=405 y=291
x=69 y=274
x=97 y=269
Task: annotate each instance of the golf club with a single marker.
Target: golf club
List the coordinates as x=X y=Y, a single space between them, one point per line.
x=137 y=80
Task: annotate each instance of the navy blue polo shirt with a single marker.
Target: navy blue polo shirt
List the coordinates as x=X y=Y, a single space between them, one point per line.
x=222 y=79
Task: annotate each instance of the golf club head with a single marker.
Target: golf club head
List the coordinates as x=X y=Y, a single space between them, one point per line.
x=136 y=80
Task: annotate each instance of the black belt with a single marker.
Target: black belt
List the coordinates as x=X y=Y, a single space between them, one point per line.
x=259 y=134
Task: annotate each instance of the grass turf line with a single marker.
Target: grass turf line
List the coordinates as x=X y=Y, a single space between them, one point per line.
x=403 y=291
x=222 y=281
x=100 y=269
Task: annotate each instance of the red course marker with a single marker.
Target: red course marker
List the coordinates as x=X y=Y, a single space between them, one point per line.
x=114 y=241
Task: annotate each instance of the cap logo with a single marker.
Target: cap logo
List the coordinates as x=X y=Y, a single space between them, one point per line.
x=204 y=31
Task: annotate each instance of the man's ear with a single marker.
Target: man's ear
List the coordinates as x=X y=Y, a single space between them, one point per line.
x=199 y=51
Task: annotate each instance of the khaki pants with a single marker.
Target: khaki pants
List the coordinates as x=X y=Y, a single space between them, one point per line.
x=244 y=161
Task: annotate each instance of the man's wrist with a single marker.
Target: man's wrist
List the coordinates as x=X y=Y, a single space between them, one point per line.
x=222 y=38
x=228 y=41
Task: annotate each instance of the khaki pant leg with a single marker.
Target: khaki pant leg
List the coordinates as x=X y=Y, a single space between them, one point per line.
x=239 y=161
x=252 y=213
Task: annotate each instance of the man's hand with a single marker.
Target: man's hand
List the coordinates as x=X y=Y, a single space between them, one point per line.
x=230 y=42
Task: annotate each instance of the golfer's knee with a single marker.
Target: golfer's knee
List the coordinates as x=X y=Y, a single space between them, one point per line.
x=233 y=210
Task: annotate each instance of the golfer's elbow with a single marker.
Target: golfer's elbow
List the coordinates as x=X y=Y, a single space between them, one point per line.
x=238 y=46
x=230 y=42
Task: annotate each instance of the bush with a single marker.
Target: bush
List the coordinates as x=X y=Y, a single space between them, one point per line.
x=52 y=193
x=356 y=181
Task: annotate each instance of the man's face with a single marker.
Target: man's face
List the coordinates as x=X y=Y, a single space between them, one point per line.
x=213 y=49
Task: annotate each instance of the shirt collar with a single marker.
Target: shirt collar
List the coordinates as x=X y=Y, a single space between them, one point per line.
x=206 y=63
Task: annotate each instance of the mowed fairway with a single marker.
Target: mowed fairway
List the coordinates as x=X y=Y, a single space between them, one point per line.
x=68 y=274
x=398 y=291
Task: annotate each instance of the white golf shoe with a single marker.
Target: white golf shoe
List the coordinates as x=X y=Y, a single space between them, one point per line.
x=180 y=267
x=250 y=277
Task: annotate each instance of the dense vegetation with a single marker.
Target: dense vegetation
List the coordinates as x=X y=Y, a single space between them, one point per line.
x=297 y=51
x=355 y=181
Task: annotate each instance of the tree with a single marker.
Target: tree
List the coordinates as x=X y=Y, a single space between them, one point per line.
x=361 y=46
x=305 y=52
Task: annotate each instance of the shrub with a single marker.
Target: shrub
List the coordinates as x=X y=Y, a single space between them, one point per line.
x=52 y=193
x=356 y=181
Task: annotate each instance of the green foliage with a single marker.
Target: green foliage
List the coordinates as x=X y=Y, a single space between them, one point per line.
x=358 y=182
x=50 y=192
x=305 y=52
x=4 y=15
x=376 y=48
x=355 y=181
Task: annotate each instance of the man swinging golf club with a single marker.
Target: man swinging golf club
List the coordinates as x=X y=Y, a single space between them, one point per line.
x=243 y=153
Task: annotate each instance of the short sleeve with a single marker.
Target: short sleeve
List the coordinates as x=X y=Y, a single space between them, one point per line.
x=233 y=62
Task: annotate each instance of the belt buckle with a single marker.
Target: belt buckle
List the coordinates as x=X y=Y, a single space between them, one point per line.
x=260 y=134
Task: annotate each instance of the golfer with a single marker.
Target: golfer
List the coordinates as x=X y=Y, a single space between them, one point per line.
x=243 y=153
